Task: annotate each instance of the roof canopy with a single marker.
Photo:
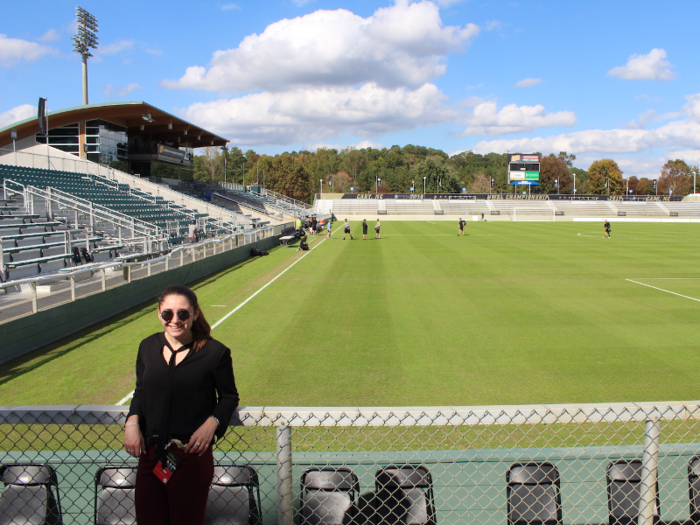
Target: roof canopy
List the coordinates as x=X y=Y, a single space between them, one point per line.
x=133 y=115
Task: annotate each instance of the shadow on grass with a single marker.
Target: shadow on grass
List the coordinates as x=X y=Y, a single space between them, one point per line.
x=36 y=359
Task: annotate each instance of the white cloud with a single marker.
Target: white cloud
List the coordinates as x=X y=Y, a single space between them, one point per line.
x=115 y=47
x=230 y=7
x=404 y=45
x=14 y=50
x=650 y=116
x=493 y=24
x=300 y=3
x=649 y=98
x=528 y=82
x=645 y=67
x=9 y=117
x=111 y=91
x=679 y=138
x=314 y=115
x=50 y=36
x=486 y=119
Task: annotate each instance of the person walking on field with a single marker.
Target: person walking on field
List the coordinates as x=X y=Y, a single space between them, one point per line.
x=377 y=234
x=330 y=225
x=364 y=229
x=461 y=228
x=346 y=229
x=606 y=225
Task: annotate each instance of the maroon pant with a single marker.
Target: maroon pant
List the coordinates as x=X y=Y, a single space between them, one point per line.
x=183 y=501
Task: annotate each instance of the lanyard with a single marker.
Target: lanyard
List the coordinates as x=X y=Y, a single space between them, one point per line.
x=164 y=428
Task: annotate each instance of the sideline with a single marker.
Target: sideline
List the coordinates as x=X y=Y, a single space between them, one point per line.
x=131 y=394
x=662 y=290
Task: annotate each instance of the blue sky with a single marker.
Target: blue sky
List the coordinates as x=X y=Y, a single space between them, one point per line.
x=599 y=79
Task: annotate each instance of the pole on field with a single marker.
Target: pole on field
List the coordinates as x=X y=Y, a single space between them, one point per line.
x=650 y=464
x=285 y=497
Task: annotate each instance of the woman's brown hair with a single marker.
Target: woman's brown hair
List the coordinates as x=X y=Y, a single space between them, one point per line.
x=201 y=331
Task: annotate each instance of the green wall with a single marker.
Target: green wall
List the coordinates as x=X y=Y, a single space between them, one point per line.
x=35 y=331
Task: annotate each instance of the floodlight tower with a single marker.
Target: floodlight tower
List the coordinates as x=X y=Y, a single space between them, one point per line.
x=85 y=39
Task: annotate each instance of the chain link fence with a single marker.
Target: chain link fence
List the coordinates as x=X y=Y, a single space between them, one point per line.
x=589 y=464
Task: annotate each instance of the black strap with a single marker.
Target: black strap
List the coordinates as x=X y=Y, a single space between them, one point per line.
x=164 y=428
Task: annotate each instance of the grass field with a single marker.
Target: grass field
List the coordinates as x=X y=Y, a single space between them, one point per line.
x=513 y=313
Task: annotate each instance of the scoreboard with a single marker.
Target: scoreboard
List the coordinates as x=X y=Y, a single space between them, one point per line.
x=524 y=170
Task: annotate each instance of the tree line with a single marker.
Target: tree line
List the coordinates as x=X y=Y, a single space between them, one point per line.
x=400 y=170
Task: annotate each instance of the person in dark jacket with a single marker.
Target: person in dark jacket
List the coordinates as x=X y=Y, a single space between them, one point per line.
x=185 y=396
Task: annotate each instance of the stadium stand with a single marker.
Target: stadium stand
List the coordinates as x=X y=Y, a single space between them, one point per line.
x=640 y=209
x=355 y=207
x=465 y=207
x=683 y=209
x=408 y=207
x=588 y=208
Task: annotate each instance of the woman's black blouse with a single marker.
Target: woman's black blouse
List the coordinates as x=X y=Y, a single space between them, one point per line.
x=203 y=386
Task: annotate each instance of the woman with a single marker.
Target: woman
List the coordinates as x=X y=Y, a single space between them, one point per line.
x=185 y=394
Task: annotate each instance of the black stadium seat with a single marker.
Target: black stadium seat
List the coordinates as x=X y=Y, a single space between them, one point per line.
x=694 y=484
x=329 y=496
x=30 y=496
x=115 y=503
x=234 y=497
x=404 y=495
x=624 y=480
x=533 y=494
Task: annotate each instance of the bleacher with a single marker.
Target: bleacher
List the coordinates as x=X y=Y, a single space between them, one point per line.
x=355 y=206
x=409 y=207
x=684 y=209
x=465 y=207
x=117 y=197
x=578 y=208
x=639 y=209
x=33 y=245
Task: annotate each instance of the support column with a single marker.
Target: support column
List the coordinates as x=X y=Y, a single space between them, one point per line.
x=285 y=502
x=650 y=465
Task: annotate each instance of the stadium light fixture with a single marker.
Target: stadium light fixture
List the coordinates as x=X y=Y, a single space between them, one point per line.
x=424 y=185
x=85 y=39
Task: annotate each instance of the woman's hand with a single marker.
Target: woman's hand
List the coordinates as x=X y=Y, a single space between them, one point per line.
x=134 y=444
x=202 y=437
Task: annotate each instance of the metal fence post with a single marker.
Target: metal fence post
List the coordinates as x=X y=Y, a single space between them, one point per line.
x=650 y=463
x=285 y=503
x=35 y=304
x=104 y=279
x=72 y=287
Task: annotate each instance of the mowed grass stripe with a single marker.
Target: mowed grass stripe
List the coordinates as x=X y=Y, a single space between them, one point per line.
x=512 y=313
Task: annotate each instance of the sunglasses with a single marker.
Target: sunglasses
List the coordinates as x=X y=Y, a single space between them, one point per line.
x=182 y=315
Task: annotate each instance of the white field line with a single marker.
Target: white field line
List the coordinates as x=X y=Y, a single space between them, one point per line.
x=131 y=394
x=431 y=222
x=662 y=290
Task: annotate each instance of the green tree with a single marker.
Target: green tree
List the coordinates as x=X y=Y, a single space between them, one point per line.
x=601 y=171
x=676 y=178
x=440 y=176
x=552 y=169
x=645 y=187
x=632 y=183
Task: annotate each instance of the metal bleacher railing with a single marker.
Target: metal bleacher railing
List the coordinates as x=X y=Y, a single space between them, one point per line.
x=98 y=171
x=557 y=464
x=26 y=296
